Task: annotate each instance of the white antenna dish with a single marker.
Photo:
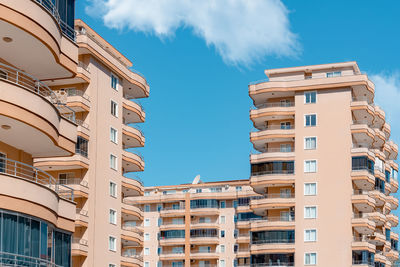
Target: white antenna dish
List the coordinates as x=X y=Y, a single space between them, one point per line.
x=196 y=180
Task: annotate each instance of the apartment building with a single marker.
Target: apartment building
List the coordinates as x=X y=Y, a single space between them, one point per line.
x=197 y=224
x=37 y=215
x=324 y=157
x=102 y=95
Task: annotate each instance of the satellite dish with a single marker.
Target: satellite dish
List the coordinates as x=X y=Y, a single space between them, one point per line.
x=196 y=180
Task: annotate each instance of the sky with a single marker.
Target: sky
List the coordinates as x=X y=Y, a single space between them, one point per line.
x=199 y=56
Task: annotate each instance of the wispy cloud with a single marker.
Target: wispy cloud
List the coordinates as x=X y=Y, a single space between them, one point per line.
x=241 y=31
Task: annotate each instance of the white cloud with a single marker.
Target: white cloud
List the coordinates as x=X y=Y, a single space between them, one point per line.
x=242 y=31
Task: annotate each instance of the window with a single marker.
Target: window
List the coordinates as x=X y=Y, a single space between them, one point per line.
x=114 y=108
x=222 y=233
x=310 y=142
x=333 y=74
x=114 y=82
x=82 y=146
x=113 y=135
x=222 y=204
x=159 y=207
x=310 y=97
x=310 y=235
x=147 y=193
x=310 y=189
x=159 y=223
x=204 y=220
x=310 y=258
x=238 y=188
x=310 y=212
x=286 y=148
x=221 y=263
x=286 y=125
x=147 y=208
x=112 y=265
x=198 y=190
x=3 y=162
x=113 y=189
x=146 y=237
x=222 y=219
x=178 y=221
x=113 y=162
x=215 y=189
x=310 y=120
x=147 y=264
x=112 y=243
x=222 y=248
x=146 y=222
x=113 y=216
x=310 y=166
x=146 y=251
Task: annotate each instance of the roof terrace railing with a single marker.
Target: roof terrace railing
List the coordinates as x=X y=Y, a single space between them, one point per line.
x=17 y=260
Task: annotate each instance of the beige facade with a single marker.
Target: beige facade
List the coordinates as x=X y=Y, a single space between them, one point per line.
x=323 y=153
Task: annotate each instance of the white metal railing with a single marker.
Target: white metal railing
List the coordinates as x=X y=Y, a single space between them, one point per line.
x=273 y=241
x=67 y=30
x=17 y=260
x=274 y=150
x=274 y=172
x=130 y=97
x=73 y=181
x=36 y=86
x=275 y=127
x=133 y=229
x=275 y=104
x=279 y=195
x=33 y=174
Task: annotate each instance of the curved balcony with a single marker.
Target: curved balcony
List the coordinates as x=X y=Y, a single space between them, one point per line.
x=378 y=217
x=392 y=255
x=362 y=133
x=131 y=260
x=274 y=133
x=172 y=212
x=172 y=226
x=77 y=100
x=394 y=185
x=172 y=256
x=394 y=150
x=202 y=225
x=205 y=210
x=393 y=219
x=363 y=243
x=204 y=240
x=386 y=129
x=363 y=224
x=379 y=138
x=30 y=108
x=29 y=190
x=82 y=218
x=360 y=84
x=132 y=112
x=259 y=181
x=77 y=161
x=131 y=236
x=131 y=187
x=386 y=149
x=394 y=202
x=243 y=239
x=378 y=196
x=273 y=223
x=387 y=208
x=362 y=201
x=132 y=162
x=362 y=110
x=172 y=241
x=132 y=137
x=83 y=129
x=130 y=212
x=378 y=239
x=38 y=35
x=268 y=111
x=198 y=255
x=80 y=187
x=272 y=246
x=394 y=236
x=272 y=154
x=379 y=120
x=363 y=179
x=79 y=247
x=272 y=201
x=379 y=257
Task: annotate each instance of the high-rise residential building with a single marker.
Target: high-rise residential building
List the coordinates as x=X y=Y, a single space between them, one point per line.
x=324 y=156
x=198 y=224
x=102 y=96
x=37 y=215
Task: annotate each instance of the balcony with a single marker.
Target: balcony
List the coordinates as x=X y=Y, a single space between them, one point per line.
x=272 y=246
x=172 y=212
x=79 y=247
x=379 y=139
x=132 y=137
x=394 y=202
x=260 y=180
x=131 y=212
x=82 y=218
x=172 y=241
x=77 y=100
x=200 y=225
x=131 y=187
x=363 y=224
x=129 y=259
x=272 y=201
x=362 y=201
x=273 y=222
x=172 y=255
x=362 y=133
x=204 y=240
x=272 y=153
x=202 y=255
x=394 y=150
x=276 y=132
x=243 y=239
x=205 y=210
x=80 y=186
x=363 y=243
x=378 y=217
x=392 y=255
x=132 y=162
x=394 y=185
x=38 y=35
x=274 y=110
x=363 y=178
x=30 y=108
x=77 y=161
x=379 y=120
x=362 y=110
x=131 y=236
x=393 y=219
x=378 y=238
x=132 y=112
x=378 y=196
x=386 y=129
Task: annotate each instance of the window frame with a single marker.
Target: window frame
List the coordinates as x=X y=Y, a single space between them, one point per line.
x=310 y=160
x=144 y=222
x=109 y=243
x=305 y=120
x=115 y=168
x=316 y=258
x=310 y=230
x=305 y=142
x=116 y=81
x=111 y=135
x=115 y=216
x=148 y=237
x=116 y=108
x=144 y=251
x=116 y=189
x=316 y=188
x=311 y=206
x=305 y=97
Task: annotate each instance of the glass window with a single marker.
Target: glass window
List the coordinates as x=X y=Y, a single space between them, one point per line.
x=113 y=135
x=310 y=212
x=82 y=146
x=112 y=243
x=147 y=193
x=222 y=248
x=147 y=264
x=113 y=162
x=146 y=251
x=221 y=263
x=114 y=82
x=310 y=120
x=333 y=74
x=238 y=188
x=147 y=208
x=113 y=189
x=310 y=258
x=310 y=97
x=114 y=108
x=222 y=204
x=310 y=142
x=178 y=221
x=113 y=216
x=222 y=219
x=222 y=233
x=310 y=235
x=310 y=166
x=198 y=190
x=146 y=221
x=146 y=236
x=285 y=148
x=204 y=220
x=111 y=265
x=310 y=189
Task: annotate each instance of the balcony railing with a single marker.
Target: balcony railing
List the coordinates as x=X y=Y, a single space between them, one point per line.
x=33 y=174
x=279 y=195
x=363 y=262
x=73 y=181
x=79 y=241
x=131 y=254
x=82 y=123
x=36 y=86
x=276 y=104
x=272 y=264
x=275 y=127
x=82 y=212
x=272 y=241
x=274 y=150
x=81 y=152
x=74 y=92
x=17 y=260
x=273 y=172
x=362 y=168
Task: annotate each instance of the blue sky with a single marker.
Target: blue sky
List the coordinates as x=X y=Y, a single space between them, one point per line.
x=197 y=116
